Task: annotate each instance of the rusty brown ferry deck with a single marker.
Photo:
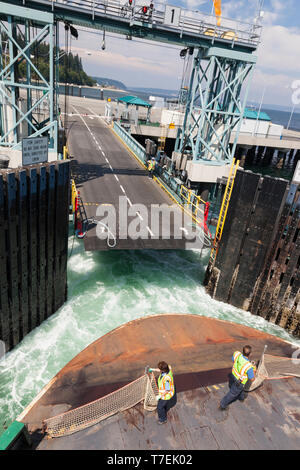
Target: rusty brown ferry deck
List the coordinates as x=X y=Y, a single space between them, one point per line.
x=199 y=350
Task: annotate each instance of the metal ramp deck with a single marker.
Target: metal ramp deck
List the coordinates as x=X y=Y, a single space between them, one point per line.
x=104 y=172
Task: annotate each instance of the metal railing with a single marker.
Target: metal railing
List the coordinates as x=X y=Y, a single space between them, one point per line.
x=74 y=195
x=187 y=22
x=192 y=201
x=132 y=144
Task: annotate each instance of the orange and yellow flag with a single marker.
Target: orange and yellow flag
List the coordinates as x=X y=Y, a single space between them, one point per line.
x=218 y=10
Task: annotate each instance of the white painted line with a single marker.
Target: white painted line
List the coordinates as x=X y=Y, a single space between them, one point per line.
x=102 y=118
x=139 y=216
x=129 y=202
x=98 y=145
x=116 y=177
x=122 y=189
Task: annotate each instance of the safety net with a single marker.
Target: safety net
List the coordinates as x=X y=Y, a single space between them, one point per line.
x=275 y=367
x=142 y=389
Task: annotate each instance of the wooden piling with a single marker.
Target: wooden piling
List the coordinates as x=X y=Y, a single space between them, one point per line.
x=34 y=208
x=257 y=267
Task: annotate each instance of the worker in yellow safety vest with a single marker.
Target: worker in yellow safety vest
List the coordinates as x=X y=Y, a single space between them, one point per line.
x=242 y=371
x=151 y=167
x=167 y=394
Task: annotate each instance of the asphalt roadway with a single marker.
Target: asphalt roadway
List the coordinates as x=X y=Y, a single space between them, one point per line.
x=104 y=170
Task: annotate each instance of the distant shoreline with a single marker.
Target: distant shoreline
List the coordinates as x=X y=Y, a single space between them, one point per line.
x=97 y=87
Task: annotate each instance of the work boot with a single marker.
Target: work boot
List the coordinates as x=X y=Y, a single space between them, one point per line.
x=161 y=422
x=223 y=409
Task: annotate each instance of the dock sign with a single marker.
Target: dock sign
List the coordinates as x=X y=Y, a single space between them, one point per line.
x=34 y=150
x=172 y=16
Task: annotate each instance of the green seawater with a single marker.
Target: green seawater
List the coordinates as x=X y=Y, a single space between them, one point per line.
x=107 y=289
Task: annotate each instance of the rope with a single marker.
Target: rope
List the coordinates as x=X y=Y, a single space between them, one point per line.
x=142 y=389
x=275 y=368
x=203 y=237
x=109 y=233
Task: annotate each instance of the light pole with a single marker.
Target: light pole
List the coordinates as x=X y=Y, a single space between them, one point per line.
x=290 y=120
x=258 y=114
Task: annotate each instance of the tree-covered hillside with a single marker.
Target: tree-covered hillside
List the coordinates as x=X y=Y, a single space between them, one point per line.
x=70 y=66
x=107 y=82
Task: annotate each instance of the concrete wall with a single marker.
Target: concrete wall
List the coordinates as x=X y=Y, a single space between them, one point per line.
x=15 y=157
x=261 y=128
x=206 y=173
x=169 y=116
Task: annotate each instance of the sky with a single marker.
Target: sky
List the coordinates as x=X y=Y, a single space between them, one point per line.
x=144 y=64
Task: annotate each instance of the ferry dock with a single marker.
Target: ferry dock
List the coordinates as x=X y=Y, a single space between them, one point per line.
x=65 y=158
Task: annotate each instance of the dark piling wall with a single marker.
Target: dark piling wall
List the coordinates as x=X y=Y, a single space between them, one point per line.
x=34 y=211
x=257 y=265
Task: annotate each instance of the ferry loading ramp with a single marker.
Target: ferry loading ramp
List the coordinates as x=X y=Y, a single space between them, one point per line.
x=104 y=170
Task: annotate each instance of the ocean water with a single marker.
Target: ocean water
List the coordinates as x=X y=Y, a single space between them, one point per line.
x=107 y=289
x=113 y=94
x=283 y=118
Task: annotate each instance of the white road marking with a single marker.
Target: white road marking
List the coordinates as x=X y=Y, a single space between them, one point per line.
x=102 y=118
x=122 y=189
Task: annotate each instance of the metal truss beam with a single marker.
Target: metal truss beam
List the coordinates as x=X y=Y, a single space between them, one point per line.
x=21 y=100
x=214 y=107
x=118 y=17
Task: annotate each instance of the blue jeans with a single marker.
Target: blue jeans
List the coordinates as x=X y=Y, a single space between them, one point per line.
x=236 y=392
x=163 y=406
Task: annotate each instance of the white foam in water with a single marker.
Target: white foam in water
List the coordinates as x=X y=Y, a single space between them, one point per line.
x=106 y=290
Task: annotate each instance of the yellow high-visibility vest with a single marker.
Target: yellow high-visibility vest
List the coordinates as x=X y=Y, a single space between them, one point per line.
x=161 y=382
x=240 y=367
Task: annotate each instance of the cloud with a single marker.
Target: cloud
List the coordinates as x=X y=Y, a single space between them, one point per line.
x=139 y=63
x=280 y=49
x=194 y=4
x=276 y=88
x=134 y=62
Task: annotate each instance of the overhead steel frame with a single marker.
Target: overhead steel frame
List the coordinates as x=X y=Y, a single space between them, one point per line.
x=214 y=107
x=13 y=22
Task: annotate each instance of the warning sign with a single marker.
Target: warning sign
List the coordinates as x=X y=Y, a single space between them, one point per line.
x=34 y=150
